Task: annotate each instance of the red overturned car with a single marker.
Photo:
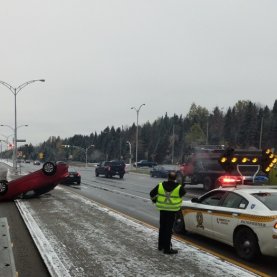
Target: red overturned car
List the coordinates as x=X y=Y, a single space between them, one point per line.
x=35 y=183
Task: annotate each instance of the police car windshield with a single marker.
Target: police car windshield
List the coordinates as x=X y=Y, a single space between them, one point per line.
x=269 y=199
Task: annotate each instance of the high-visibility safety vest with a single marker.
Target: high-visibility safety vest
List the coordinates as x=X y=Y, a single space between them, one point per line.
x=168 y=201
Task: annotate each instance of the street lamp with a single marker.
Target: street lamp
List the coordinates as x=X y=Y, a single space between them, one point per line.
x=79 y=147
x=15 y=91
x=137 y=111
x=86 y=151
x=14 y=158
x=130 y=152
x=6 y=137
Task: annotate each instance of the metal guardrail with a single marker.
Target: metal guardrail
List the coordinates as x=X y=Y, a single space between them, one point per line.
x=7 y=264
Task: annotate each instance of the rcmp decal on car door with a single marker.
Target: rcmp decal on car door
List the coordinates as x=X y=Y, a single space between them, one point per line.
x=199 y=219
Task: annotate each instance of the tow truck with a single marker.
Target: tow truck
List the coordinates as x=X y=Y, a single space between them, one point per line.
x=207 y=164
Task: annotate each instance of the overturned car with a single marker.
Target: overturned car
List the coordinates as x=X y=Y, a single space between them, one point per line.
x=35 y=183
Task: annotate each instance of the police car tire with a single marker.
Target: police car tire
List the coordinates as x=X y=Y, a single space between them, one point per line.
x=49 y=168
x=3 y=187
x=179 y=224
x=246 y=244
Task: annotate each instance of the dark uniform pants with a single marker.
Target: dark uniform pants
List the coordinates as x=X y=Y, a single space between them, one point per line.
x=167 y=219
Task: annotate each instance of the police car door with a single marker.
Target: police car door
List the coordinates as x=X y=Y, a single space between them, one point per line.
x=200 y=217
x=225 y=216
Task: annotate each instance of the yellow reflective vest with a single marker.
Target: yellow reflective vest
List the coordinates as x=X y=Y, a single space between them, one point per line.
x=168 y=201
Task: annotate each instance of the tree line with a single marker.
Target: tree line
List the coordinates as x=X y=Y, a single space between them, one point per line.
x=169 y=138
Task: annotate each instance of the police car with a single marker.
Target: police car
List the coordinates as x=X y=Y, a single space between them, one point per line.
x=244 y=217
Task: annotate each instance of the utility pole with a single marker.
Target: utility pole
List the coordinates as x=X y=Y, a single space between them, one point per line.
x=173 y=142
x=261 y=133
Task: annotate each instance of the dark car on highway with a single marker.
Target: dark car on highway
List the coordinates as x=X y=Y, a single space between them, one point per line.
x=145 y=163
x=161 y=171
x=73 y=177
x=110 y=169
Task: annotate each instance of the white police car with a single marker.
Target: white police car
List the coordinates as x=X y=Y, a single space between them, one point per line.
x=244 y=217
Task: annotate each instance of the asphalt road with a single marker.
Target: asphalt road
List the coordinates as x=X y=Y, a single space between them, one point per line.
x=129 y=196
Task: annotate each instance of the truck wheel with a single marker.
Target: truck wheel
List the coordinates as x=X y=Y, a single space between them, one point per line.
x=49 y=168
x=246 y=244
x=179 y=224
x=208 y=183
x=96 y=173
x=3 y=187
x=180 y=178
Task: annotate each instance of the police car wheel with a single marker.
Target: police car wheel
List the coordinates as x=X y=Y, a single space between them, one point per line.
x=179 y=224
x=49 y=168
x=246 y=244
x=3 y=187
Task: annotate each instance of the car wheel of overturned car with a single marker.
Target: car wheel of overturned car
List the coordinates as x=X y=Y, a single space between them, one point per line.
x=246 y=244
x=179 y=224
x=49 y=168
x=3 y=187
x=208 y=183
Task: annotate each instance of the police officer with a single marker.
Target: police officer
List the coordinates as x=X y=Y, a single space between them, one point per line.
x=168 y=199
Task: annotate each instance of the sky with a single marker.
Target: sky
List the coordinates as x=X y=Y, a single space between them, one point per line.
x=99 y=58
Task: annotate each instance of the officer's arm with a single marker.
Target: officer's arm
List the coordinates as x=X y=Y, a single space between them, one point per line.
x=154 y=194
x=182 y=191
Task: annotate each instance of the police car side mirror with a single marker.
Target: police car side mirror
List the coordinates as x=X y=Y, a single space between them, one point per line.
x=194 y=200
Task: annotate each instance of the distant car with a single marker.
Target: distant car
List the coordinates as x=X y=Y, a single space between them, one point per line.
x=110 y=168
x=35 y=183
x=73 y=177
x=145 y=163
x=244 y=217
x=27 y=161
x=36 y=163
x=161 y=171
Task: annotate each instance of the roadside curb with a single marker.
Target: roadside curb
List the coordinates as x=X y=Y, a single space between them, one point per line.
x=7 y=264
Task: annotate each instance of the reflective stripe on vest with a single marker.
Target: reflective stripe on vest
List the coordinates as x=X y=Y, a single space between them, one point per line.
x=168 y=201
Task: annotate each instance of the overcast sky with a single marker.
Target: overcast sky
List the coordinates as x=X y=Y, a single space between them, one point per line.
x=101 y=57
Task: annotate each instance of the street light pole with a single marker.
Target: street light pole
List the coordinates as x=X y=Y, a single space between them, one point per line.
x=261 y=133
x=15 y=91
x=137 y=111
x=130 y=152
x=79 y=147
x=14 y=158
x=86 y=151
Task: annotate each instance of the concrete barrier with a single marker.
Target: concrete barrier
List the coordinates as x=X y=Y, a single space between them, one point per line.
x=7 y=265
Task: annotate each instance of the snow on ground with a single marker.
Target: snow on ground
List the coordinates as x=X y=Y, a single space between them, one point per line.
x=77 y=237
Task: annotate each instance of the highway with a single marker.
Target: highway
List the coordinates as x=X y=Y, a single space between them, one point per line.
x=130 y=197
